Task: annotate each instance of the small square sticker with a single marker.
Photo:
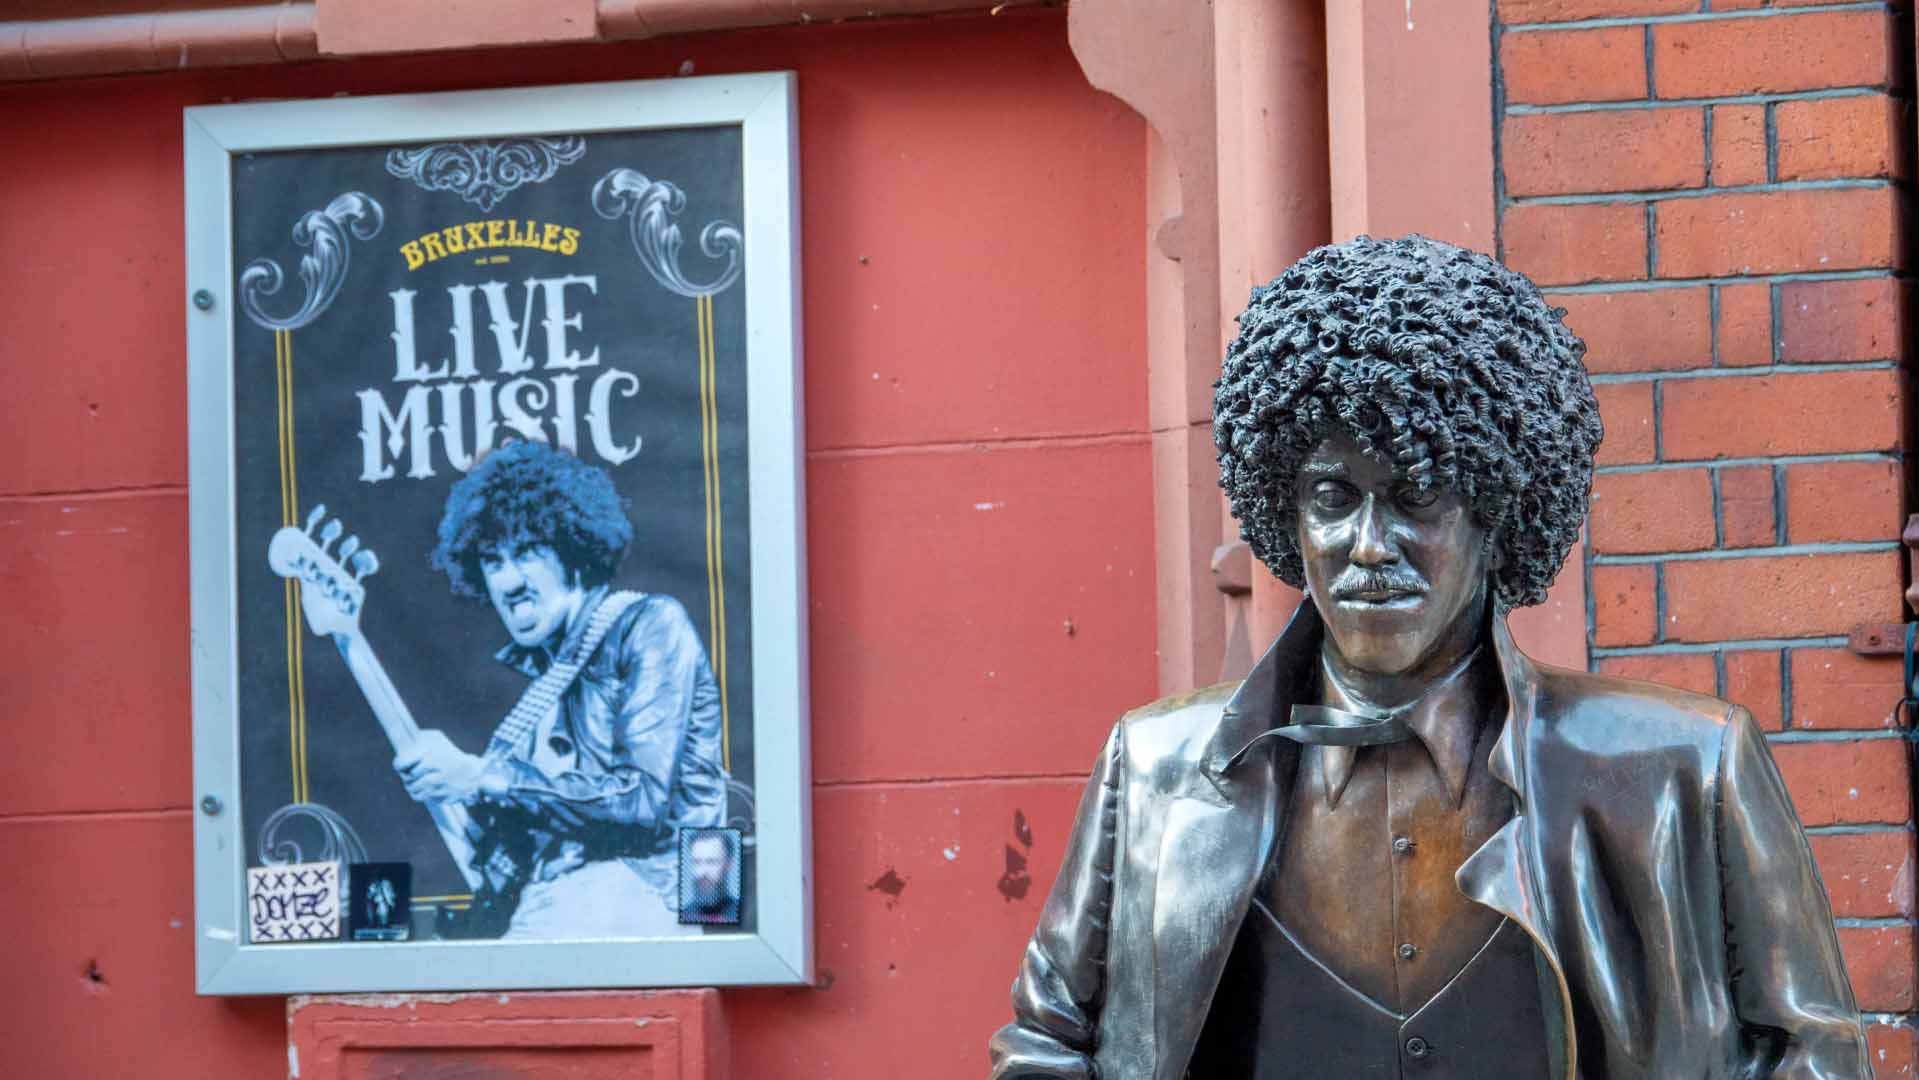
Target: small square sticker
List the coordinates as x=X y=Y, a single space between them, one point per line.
x=379 y=901
x=710 y=876
x=293 y=902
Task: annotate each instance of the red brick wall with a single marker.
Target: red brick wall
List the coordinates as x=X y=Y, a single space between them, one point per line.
x=1714 y=190
x=979 y=522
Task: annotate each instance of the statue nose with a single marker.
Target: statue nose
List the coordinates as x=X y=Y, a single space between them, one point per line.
x=1372 y=542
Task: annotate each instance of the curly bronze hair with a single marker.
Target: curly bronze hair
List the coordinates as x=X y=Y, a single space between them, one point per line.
x=1444 y=365
x=531 y=493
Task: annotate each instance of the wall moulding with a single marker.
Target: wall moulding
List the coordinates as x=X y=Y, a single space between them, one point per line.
x=291 y=32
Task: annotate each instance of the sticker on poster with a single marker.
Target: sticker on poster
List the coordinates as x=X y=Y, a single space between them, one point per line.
x=293 y=902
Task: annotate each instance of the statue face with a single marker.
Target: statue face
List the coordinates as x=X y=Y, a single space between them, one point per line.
x=1398 y=573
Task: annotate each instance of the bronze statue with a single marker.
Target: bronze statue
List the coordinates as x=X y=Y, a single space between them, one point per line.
x=1400 y=848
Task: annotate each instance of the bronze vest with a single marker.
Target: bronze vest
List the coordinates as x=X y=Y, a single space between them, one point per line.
x=1279 y=1014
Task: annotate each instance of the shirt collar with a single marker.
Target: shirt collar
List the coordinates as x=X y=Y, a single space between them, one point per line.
x=1444 y=720
x=532 y=660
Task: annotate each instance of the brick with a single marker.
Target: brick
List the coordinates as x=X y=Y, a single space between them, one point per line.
x=1721 y=57
x=1605 y=150
x=1837 y=501
x=1646 y=512
x=1867 y=875
x=1839 y=138
x=1847 y=783
x=1625 y=604
x=1745 y=506
x=1738 y=144
x=1753 y=680
x=1780 y=596
x=1626 y=410
x=1767 y=415
x=1836 y=689
x=1777 y=232
x=1654 y=330
x=1531 y=11
x=1848 y=320
x=1745 y=324
x=1687 y=671
x=1552 y=67
x=1882 y=963
x=1567 y=245
x=1893 y=1050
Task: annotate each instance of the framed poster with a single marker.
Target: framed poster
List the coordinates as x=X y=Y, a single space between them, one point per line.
x=498 y=595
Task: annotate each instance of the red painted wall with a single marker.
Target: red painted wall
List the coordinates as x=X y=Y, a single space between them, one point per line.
x=980 y=528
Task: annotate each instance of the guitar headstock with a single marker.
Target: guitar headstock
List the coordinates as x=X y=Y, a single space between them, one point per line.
x=331 y=594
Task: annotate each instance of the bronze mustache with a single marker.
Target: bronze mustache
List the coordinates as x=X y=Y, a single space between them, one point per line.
x=1358 y=582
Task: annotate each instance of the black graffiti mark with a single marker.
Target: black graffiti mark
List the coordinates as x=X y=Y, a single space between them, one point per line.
x=1015 y=882
x=890 y=884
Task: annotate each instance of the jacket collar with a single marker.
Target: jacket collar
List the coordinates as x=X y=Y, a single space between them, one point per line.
x=1276 y=683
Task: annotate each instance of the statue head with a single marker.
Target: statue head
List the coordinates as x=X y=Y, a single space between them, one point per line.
x=1405 y=431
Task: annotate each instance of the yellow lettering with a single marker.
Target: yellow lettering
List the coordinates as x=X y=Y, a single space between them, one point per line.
x=476 y=234
x=550 y=237
x=433 y=248
x=411 y=249
x=571 y=243
x=455 y=241
x=495 y=229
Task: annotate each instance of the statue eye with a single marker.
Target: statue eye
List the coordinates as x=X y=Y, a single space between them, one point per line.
x=1331 y=496
x=1417 y=498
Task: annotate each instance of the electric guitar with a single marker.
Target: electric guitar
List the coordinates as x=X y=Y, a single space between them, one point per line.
x=332 y=596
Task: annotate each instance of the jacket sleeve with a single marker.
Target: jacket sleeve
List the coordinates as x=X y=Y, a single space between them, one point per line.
x=662 y=707
x=1789 y=979
x=1057 y=996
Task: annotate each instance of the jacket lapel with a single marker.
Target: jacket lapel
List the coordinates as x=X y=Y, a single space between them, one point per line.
x=1500 y=875
x=1217 y=837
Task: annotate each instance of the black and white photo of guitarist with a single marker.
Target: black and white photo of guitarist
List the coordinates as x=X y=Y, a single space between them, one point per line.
x=575 y=804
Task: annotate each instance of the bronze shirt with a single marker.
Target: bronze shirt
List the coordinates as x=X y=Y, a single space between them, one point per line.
x=1364 y=875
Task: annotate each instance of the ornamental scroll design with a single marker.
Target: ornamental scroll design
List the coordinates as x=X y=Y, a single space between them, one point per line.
x=329 y=836
x=322 y=269
x=483 y=173
x=649 y=206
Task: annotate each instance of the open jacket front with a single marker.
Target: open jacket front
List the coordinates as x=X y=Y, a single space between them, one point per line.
x=1653 y=857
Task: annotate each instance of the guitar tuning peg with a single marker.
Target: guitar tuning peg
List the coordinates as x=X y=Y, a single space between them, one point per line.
x=348 y=546
x=314 y=517
x=329 y=534
x=364 y=564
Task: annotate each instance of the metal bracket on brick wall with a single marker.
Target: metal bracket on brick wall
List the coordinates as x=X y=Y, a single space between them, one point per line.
x=1889 y=639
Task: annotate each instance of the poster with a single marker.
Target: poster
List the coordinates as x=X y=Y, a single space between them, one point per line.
x=491 y=480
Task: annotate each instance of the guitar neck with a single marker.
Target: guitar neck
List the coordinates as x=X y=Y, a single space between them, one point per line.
x=396 y=720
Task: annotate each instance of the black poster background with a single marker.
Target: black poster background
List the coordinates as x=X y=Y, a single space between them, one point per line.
x=303 y=711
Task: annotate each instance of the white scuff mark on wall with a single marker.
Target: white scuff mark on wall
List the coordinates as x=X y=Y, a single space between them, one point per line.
x=293 y=1061
x=951 y=853
x=998 y=504
x=1409 y=14
x=219 y=933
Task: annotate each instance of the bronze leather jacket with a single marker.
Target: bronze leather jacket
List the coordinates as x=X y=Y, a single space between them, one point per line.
x=1654 y=858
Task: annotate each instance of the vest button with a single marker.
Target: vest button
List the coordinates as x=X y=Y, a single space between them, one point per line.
x=1408 y=951
x=1417 y=1047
